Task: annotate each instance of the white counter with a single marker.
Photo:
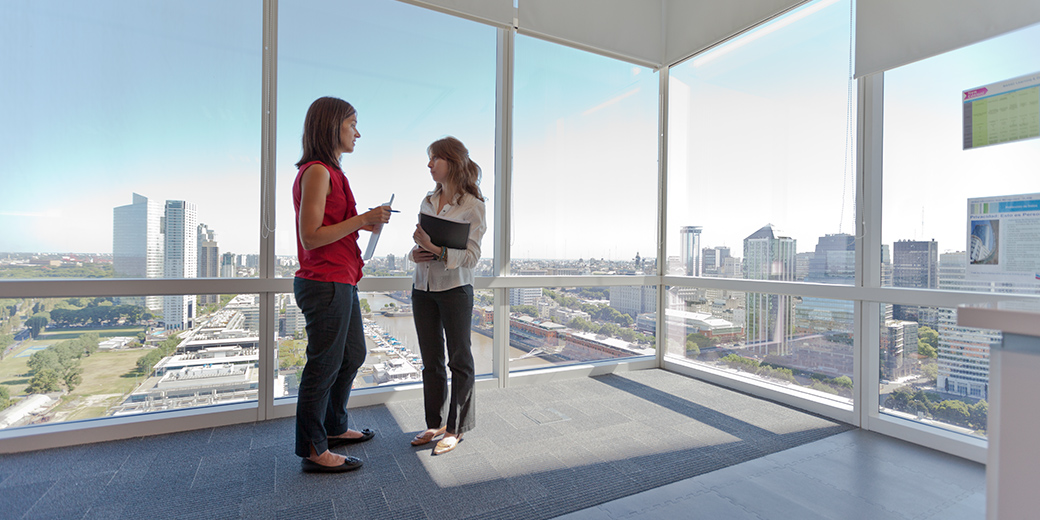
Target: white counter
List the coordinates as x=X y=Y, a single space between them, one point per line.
x=1013 y=457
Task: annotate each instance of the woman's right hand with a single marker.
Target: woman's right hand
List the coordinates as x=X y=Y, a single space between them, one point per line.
x=376 y=216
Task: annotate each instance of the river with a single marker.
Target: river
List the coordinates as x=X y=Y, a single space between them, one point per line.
x=403 y=328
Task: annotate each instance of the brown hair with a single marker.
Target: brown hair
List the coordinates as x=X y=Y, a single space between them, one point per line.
x=463 y=173
x=321 y=130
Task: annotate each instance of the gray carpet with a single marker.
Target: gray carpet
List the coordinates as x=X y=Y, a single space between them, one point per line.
x=537 y=452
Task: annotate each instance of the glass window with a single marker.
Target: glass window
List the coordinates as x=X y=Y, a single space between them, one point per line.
x=126 y=130
x=797 y=342
x=934 y=371
x=568 y=325
x=930 y=176
x=934 y=239
x=392 y=345
x=584 y=161
x=414 y=76
x=67 y=359
x=760 y=140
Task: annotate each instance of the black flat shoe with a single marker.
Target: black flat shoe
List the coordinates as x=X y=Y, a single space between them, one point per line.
x=366 y=435
x=350 y=464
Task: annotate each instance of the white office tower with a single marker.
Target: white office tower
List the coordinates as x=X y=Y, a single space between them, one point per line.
x=228 y=265
x=180 y=261
x=209 y=259
x=690 y=242
x=137 y=245
x=770 y=317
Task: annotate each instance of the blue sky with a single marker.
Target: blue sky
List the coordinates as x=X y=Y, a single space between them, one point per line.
x=164 y=99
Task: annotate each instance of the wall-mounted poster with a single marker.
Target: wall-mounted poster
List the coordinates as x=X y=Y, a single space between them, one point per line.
x=1004 y=238
x=1002 y=112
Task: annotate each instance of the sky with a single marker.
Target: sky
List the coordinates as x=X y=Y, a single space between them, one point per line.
x=164 y=99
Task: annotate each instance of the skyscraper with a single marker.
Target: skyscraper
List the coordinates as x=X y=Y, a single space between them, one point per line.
x=833 y=262
x=770 y=317
x=228 y=265
x=963 y=353
x=712 y=260
x=137 y=245
x=209 y=259
x=690 y=242
x=915 y=263
x=180 y=261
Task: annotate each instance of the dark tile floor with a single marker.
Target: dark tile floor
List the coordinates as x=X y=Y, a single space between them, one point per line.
x=673 y=446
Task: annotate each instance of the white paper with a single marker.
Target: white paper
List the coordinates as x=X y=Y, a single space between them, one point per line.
x=374 y=239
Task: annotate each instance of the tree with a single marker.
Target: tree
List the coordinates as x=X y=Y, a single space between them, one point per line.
x=692 y=350
x=5 y=397
x=930 y=371
x=926 y=350
x=36 y=324
x=952 y=411
x=529 y=310
x=701 y=340
x=979 y=414
x=928 y=336
x=44 y=382
x=364 y=306
x=842 y=381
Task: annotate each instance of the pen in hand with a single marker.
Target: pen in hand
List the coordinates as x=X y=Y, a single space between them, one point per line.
x=388 y=203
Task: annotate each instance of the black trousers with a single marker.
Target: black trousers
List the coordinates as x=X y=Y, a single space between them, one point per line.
x=335 y=352
x=442 y=319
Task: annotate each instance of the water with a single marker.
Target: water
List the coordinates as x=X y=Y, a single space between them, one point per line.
x=403 y=328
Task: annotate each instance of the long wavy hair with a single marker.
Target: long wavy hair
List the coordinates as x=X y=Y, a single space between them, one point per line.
x=321 y=130
x=463 y=173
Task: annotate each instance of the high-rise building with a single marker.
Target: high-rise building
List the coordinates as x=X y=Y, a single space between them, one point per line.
x=180 y=260
x=963 y=353
x=228 y=265
x=915 y=263
x=209 y=259
x=898 y=342
x=833 y=262
x=768 y=255
x=634 y=299
x=712 y=259
x=137 y=245
x=690 y=242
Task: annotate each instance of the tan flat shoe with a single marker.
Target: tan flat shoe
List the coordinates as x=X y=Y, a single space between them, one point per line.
x=427 y=436
x=447 y=444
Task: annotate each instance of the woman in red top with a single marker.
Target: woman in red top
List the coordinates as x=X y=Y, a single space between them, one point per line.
x=327 y=224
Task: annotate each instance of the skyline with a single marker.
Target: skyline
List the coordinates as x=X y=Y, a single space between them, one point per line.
x=585 y=146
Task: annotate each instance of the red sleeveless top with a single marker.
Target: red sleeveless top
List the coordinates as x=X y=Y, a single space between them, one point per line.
x=339 y=261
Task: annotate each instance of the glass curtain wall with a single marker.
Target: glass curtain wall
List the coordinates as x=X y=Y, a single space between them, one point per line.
x=414 y=76
x=129 y=149
x=761 y=187
x=953 y=169
x=584 y=199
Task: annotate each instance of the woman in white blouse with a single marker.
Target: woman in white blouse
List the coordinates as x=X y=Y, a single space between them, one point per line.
x=442 y=295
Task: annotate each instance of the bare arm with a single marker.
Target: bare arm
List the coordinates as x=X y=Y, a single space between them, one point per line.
x=314 y=187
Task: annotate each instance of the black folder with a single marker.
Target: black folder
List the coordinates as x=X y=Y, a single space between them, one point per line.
x=445 y=233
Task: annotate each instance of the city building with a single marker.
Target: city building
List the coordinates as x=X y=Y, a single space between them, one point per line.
x=833 y=262
x=180 y=260
x=768 y=255
x=634 y=299
x=712 y=259
x=209 y=260
x=690 y=244
x=137 y=245
x=915 y=263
